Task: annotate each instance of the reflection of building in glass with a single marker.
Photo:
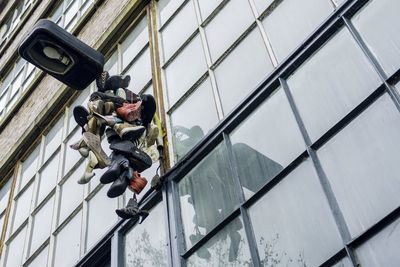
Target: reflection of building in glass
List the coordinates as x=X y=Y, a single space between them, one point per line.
x=280 y=134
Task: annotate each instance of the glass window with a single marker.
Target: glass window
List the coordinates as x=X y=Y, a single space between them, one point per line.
x=140 y=72
x=188 y=130
x=101 y=216
x=71 y=193
x=48 y=178
x=178 y=30
x=377 y=23
x=41 y=225
x=292 y=21
x=71 y=12
x=111 y=64
x=167 y=8
x=22 y=207
x=190 y=62
x=293 y=211
x=243 y=69
x=41 y=259
x=262 y=5
x=134 y=42
x=331 y=83
x=29 y=167
x=146 y=244
x=345 y=262
x=72 y=156
x=236 y=14
x=15 y=249
x=207 y=7
x=266 y=142
x=364 y=183
x=227 y=248
x=67 y=244
x=53 y=139
x=5 y=194
x=206 y=196
x=382 y=249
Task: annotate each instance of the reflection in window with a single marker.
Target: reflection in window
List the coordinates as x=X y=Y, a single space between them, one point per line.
x=343 y=263
x=293 y=211
x=243 y=69
x=146 y=244
x=188 y=130
x=365 y=185
x=331 y=83
x=382 y=249
x=206 y=196
x=227 y=248
x=266 y=142
x=292 y=21
x=377 y=23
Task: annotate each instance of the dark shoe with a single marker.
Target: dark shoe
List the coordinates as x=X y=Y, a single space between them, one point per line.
x=118 y=164
x=94 y=143
x=80 y=115
x=139 y=160
x=149 y=108
x=101 y=81
x=120 y=184
x=105 y=82
x=131 y=211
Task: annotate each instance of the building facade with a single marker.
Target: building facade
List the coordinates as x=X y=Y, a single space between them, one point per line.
x=279 y=124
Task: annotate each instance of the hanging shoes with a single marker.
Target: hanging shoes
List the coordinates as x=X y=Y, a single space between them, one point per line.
x=88 y=175
x=128 y=131
x=132 y=210
x=118 y=164
x=138 y=183
x=80 y=115
x=120 y=184
x=94 y=144
x=139 y=160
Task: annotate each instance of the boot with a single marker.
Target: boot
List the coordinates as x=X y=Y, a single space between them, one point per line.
x=119 y=163
x=132 y=210
x=148 y=108
x=88 y=175
x=138 y=159
x=94 y=144
x=120 y=184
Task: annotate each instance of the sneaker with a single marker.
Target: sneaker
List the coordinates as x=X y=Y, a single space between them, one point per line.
x=152 y=134
x=138 y=159
x=138 y=183
x=88 y=175
x=131 y=211
x=94 y=144
x=120 y=184
x=119 y=163
x=129 y=131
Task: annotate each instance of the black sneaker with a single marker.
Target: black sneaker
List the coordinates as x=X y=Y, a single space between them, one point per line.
x=139 y=160
x=131 y=211
x=80 y=115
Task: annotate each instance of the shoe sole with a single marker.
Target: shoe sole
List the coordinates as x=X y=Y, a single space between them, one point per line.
x=93 y=142
x=80 y=115
x=133 y=134
x=138 y=159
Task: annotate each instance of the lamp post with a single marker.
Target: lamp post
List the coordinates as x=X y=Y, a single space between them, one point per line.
x=62 y=55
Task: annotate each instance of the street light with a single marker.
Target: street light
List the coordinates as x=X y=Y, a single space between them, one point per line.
x=62 y=55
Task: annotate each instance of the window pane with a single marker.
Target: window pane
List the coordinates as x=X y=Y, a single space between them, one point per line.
x=146 y=243
x=206 y=195
x=179 y=30
x=293 y=211
x=331 y=83
x=48 y=178
x=377 y=23
x=266 y=142
x=227 y=248
x=191 y=62
x=41 y=259
x=22 y=207
x=53 y=138
x=343 y=263
x=134 y=42
x=111 y=64
x=29 y=167
x=261 y=5
x=14 y=251
x=71 y=12
x=101 y=216
x=382 y=249
x=292 y=21
x=140 y=72
x=365 y=184
x=3 y=99
x=207 y=7
x=244 y=68
x=68 y=240
x=5 y=194
x=189 y=123
x=167 y=8
x=41 y=225
x=17 y=83
x=236 y=14
x=71 y=193
x=72 y=156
